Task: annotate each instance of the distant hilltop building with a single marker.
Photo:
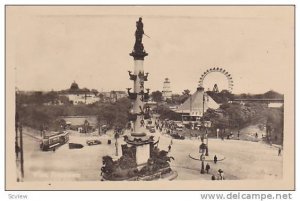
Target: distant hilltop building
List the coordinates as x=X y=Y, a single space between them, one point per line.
x=194 y=107
x=80 y=96
x=167 y=93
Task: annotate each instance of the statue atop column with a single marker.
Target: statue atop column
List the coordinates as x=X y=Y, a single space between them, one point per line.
x=139 y=31
x=138 y=51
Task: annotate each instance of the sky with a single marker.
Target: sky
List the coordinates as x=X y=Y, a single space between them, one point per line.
x=50 y=47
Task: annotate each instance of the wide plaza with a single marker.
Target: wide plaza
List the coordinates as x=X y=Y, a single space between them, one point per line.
x=241 y=159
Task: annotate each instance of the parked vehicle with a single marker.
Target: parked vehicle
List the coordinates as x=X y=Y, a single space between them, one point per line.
x=177 y=136
x=93 y=142
x=179 y=126
x=152 y=129
x=75 y=146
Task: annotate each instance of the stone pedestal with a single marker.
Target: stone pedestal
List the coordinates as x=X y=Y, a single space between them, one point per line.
x=142 y=143
x=142 y=154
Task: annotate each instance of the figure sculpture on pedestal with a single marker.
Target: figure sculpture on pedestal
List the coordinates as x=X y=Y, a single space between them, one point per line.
x=138 y=46
x=138 y=50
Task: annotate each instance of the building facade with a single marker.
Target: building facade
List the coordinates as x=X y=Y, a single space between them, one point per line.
x=80 y=96
x=195 y=106
x=167 y=93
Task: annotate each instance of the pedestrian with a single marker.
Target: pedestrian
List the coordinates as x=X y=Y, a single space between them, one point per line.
x=279 y=151
x=207 y=168
x=215 y=159
x=171 y=143
x=41 y=129
x=256 y=135
x=213 y=177
x=169 y=148
x=221 y=174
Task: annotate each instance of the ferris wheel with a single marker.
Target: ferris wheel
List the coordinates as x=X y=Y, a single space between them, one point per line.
x=218 y=70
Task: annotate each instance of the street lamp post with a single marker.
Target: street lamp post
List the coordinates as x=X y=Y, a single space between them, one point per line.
x=181 y=115
x=202 y=148
x=206 y=135
x=117 y=144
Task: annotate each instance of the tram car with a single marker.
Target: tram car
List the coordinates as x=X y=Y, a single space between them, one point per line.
x=50 y=142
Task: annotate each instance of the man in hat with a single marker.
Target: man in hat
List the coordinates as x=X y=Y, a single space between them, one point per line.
x=221 y=174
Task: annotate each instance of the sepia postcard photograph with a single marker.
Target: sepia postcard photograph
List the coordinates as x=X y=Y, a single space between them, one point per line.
x=143 y=97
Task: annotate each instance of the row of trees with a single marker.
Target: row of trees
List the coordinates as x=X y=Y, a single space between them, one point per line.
x=166 y=113
x=54 y=97
x=115 y=114
x=112 y=114
x=176 y=99
x=220 y=97
x=237 y=116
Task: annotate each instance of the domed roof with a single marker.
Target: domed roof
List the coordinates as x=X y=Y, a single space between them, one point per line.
x=74 y=86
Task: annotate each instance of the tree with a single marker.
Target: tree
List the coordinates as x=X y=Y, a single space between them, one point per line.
x=85 y=90
x=95 y=91
x=222 y=97
x=113 y=95
x=64 y=100
x=101 y=96
x=185 y=95
x=86 y=125
x=275 y=123
x=166 y=113
x=115 y=114
x=218 y=119
x=157 y=96
x=58 y=125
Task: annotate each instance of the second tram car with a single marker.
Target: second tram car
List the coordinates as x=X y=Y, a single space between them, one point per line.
x=50 y=142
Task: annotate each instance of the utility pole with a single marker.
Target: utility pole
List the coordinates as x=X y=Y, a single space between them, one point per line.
x=21 y=152
x=190 y=106
x=203 y=104
x=16 y=136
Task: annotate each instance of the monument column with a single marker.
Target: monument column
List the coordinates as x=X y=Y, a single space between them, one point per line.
x=139 y=96
x=141 y=158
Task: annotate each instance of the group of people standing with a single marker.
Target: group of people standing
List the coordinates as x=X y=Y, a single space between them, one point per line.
x=168 y=126
x=220 y=174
